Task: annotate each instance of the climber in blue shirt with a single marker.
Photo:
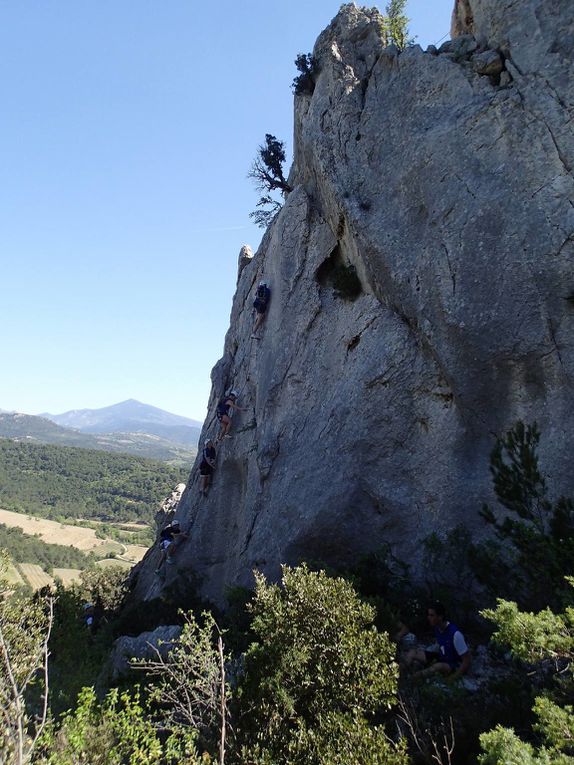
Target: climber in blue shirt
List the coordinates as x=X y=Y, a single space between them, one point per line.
x=451 y=653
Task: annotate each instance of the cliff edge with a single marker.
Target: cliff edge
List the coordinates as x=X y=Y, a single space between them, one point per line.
x=445 y=179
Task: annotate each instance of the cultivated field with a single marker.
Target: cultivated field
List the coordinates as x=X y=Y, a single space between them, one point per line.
x=53 y=532
x=134 y=553
x=35 y=575
x=75 y=536
x=12 y=575
x=111 y=562
x=85 y=539
x=67 y=575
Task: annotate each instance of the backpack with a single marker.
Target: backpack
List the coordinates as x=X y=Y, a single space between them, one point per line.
x=261 y=297
x=263 y=292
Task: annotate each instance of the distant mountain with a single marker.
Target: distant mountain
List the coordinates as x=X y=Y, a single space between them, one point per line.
x=29 y=429
x=131 y=417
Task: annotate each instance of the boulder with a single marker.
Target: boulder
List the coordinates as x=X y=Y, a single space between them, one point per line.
x=460 y=47
x=489 y=62
x=143 y=646
x=245 y=257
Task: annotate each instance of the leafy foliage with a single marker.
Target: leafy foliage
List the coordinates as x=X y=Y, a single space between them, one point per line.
x=189 y=687
x=105 y=585
x=267 y=172
x=541 y=532
x=24 y=632
x=308 y=68
x=77 y=654
x=317 y=668
x=533 y=638
x=120 y=730
x=58 y=482
x=397 y=24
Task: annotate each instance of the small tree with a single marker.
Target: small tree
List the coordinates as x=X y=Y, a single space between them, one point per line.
x=189 y=685
x=267 y=172
x=308 y=68
x=317 y=668
x=106 y=585
x=25 y=626
x=397 y=24
x=532 y=638
x=540 y=531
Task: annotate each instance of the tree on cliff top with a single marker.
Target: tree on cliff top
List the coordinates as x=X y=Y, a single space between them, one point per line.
x=397 y=24
x=267 y=172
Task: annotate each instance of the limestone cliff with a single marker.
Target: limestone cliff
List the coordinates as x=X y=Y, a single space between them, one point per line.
x=445 y=178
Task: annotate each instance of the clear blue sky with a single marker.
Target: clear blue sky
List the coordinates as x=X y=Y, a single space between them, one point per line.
x=127 y=131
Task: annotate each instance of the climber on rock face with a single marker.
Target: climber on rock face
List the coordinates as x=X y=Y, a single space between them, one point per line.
x=169 y=539
x=260 y=304
x=206 y=467
x=227 y=403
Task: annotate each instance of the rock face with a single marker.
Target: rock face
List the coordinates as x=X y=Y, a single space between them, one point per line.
x=447 y=184
x=144 y=646
x=168 y=507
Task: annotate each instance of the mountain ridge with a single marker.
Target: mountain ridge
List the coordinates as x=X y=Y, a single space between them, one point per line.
x=27 y=428
x=130 y=416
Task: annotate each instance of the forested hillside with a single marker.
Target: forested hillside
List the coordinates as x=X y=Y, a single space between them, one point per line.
x=64 y=482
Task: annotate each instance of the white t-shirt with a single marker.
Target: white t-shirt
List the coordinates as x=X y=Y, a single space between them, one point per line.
x=459 y=643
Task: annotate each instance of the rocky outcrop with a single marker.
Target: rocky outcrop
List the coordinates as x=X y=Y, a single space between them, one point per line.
x=169 y=505
x=245 y=258
x=145 y=646
x=444 y=178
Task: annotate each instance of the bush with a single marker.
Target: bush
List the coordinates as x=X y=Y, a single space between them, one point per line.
x=308 y=68
x=540 y=532
x=317 y=668
x=532 y=638
x=120 y=730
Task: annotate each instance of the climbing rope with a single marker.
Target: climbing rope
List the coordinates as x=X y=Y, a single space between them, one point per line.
x=441 y=39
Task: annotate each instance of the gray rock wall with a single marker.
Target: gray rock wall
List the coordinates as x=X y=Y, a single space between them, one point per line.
x=451 y=193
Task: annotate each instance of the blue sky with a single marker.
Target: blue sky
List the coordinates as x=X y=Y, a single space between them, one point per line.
x=127 y=131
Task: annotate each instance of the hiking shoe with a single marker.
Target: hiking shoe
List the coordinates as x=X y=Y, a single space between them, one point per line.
x=169 y=560
x=254 y=337
x=227 y=436
x=157 y=571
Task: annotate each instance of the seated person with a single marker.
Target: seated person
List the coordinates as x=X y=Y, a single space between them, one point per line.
x=451 y=655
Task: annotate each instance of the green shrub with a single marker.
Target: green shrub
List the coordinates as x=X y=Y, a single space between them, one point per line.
x=120 y=730
x=540 y=532
x=535 y=637
x=308 y=68
x=317 y=668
